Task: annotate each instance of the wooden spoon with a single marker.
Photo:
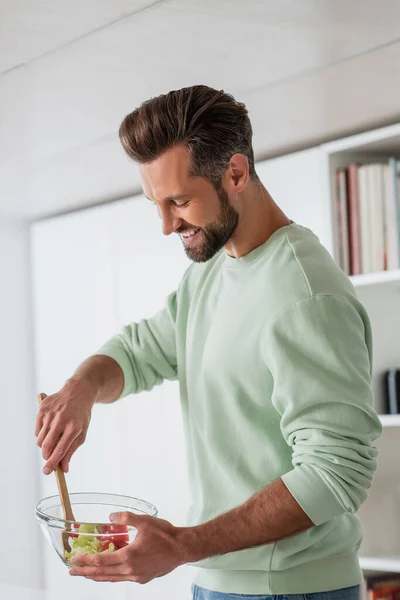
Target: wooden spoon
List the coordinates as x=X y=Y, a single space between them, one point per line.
x=64 y=496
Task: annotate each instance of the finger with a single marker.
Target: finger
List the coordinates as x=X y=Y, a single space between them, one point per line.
x=54 y=434
x=119 y=570
x=40 y=416
x=105 y=559
x=129 y=518
x=42 y=434
x=66 y=460
x=61 y=447
x=114 y=578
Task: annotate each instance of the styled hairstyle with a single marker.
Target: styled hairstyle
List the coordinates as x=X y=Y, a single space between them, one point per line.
x=210 y=123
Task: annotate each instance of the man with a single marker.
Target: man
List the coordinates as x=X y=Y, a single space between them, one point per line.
x=272 y=351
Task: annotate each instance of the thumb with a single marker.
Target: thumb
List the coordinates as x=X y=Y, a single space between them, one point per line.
x=128 y=518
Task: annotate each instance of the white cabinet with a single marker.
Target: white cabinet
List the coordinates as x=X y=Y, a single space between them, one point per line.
x=73 y=290
x=94 y=271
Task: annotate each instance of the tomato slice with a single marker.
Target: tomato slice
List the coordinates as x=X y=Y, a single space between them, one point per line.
x=120 y=544
x=72 y=533
x=115 y=534
x=105 y=545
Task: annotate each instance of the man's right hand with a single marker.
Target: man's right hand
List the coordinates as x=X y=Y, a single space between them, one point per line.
x=62 y=423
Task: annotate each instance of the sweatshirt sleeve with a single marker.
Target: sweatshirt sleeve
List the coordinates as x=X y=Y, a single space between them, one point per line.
x=319 y=354
x=146 y=351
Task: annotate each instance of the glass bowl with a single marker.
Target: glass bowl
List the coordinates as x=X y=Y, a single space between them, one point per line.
x=92 y=531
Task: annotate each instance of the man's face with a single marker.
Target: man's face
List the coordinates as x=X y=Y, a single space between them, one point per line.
x=189 y=206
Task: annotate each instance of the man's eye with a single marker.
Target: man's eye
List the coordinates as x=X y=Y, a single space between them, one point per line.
x=183 y=204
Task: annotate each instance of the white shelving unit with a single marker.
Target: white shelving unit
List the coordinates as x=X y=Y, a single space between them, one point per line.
x=376 y=278
x=380 y=294
x=308 y=197
x=390 y=420
x=389 y=564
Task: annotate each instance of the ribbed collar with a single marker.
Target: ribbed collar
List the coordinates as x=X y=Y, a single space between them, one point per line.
x=251 y=257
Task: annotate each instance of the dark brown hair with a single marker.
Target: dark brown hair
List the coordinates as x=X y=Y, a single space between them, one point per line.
x=211 y=123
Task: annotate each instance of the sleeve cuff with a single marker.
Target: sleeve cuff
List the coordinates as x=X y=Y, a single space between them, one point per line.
x=313 y=494
x=119 y=355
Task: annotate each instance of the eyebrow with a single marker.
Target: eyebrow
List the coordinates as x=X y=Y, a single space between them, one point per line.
x=172 y=198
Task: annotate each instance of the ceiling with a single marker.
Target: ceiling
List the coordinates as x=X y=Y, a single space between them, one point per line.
x=308 y=70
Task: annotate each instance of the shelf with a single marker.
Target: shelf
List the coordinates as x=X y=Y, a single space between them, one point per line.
x=375 y=140
x=376 y=278
x=390 y=420
x=384 y=564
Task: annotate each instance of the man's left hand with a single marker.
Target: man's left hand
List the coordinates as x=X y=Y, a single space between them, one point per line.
x=156 y=551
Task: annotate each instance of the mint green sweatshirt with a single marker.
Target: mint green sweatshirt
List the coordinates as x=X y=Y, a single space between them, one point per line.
x=273 y=356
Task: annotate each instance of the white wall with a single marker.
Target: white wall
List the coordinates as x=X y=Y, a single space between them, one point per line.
x=20 y=548
x=297 y=184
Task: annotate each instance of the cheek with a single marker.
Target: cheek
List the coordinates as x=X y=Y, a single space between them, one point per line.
x=190 y=218
x=200 y=216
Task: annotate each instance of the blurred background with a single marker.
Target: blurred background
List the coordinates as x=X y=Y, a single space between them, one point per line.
x=81 y=252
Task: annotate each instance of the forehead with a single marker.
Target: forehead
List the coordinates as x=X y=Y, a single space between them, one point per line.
x=169 y=174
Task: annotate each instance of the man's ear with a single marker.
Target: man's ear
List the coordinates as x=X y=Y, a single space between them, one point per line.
x=236 y=176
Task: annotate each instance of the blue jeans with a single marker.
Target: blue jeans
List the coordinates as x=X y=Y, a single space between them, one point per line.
x=351 y=593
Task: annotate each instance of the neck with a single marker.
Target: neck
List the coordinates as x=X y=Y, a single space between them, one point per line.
x=259 y=218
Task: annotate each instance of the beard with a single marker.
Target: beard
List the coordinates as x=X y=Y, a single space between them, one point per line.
x=215 y=235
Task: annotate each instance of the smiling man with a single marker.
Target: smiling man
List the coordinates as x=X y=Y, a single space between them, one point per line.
x=209 y=225
x=272 y=351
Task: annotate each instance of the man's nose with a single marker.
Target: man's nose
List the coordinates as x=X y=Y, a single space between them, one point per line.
x=170 y=222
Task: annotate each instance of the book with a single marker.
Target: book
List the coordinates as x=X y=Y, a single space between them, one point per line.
x=354 y=220
x=394 y=188
x=385 y=591
x=376 y=216
x=384 y=587
x=365 y=219
x=368 y=217
x=342 y=220
x=392 y=237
